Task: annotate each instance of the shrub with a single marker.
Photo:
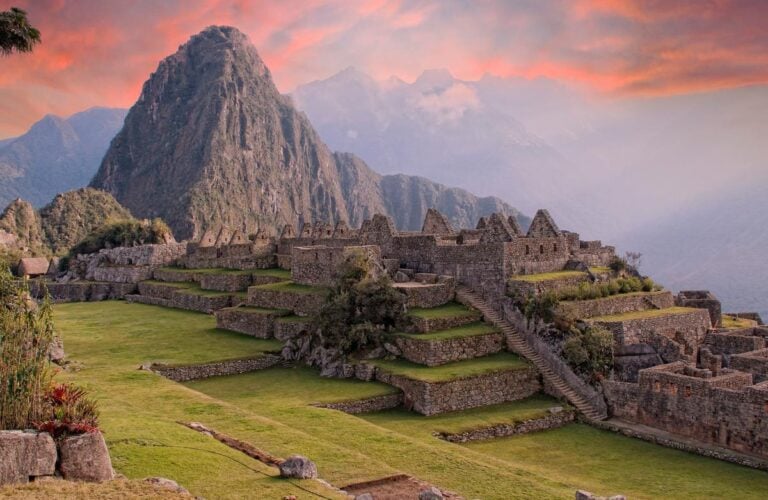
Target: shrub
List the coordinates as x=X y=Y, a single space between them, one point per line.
x=587 y=291
x=543 y=306
x=362 y=307
x=26 y=333
x=589 y=350
x=69 y=411
x=123 y=233
x=618 y=265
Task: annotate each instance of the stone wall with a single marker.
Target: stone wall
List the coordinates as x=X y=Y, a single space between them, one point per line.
x=755 y=362
x=318 y=265
x=431 y=398
x=368 y=405
x=255 y=322
x=82 y=291
x=536 y=255
x=289 y=328
x=122 y=274
x=522 y=287
x=736 y=342
x=225 y=282
x=301 y=303
x=185 y=373
x=552 y=421
x=204 y=303
x=686 y=328
x=702 y=299
x=618 y=304
x=440 y=351
x=724 y=410
x=595 y=257
x=427 y=295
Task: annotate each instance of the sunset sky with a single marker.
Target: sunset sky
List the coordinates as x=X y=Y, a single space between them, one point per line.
x=99 y=52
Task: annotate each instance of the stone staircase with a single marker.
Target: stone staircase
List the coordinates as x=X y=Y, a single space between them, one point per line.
x=518 y=343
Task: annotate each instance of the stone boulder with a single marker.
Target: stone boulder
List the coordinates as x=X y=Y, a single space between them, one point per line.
x=298 y=467
x=431 y=494
x=24 y=455
x=85 y=457
x=585 y=495
x=167 y=484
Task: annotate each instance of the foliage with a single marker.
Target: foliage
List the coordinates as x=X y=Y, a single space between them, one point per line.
x=16 y=34
x=70 y=411
x=617 y=264
x=542 y=306
x=589 y=350
x=123 y=233
x=360 y=309
x=589 y=291
x=26 y=333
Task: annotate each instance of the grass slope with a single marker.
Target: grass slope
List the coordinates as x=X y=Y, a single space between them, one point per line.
x=648 y=314
x=290 y=286
x=269 y=409
x=449 y=310
x=502 y=361
x=538 y=278
x=469 y=330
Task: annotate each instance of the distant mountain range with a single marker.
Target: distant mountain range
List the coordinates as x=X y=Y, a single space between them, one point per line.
x=212 y=142
x=56 y=155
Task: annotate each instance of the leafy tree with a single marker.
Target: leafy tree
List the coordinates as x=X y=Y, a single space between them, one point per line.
x=16 y=34
x=589 y=350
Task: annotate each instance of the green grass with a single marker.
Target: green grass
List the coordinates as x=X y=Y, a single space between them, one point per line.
x=469 y=330
x=273 y=273
x=171 y=284
x=651 y=313
x=612 y=464
x=734 y=322
x=196 y=290
x=600 y=270
x=290 y=286
x=502 y=361
x=538 y=278
x=615 y=296
x=269 y=410
x=449 y=310
x=466 y=420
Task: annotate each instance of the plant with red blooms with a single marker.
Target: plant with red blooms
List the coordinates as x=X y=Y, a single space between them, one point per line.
x=71 y=411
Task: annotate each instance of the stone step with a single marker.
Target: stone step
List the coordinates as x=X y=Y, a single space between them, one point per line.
x=465 y=295
x=450 y=315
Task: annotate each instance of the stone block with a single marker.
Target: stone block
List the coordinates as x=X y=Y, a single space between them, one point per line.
x=25 y=455
x=85 y=457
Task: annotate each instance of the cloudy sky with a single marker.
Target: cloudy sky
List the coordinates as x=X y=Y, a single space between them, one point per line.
x=99 y=52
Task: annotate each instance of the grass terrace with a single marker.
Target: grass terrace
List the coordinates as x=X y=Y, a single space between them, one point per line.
x=294 y=318
x=449 y=310
x=260 y=310
x=735 y=322
x=600 y=270
x=196 y=290
x=651 y=313
x=502 y=361
x=291 y=287
x=470 y=330
x=270 y=409
x=538 y=278
x=276 y=272
x=172 y=284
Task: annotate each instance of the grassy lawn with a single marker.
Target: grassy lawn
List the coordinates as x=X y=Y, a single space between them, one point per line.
x=734 y=322
x=269 y=410
x=460 y=421
x=449 y=310
x=502 y=361
x=612 y=464
x=651 y=313
x=469 y=330
x=538 y=278
x=290 y=286
x=274 y=273
x=294 y=318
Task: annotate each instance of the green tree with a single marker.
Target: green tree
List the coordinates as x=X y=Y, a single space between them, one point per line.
x=16 y=34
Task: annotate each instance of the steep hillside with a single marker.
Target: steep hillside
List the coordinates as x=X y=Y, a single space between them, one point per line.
x=71 y=216
x=211 y=141
x=56 y=155
x=61 y=224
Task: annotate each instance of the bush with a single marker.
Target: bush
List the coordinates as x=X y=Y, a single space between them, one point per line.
x=121 y=234
x=69 y=411
x=589 y=350
x=362 y=307
x=543 y=307
x=26 y=334
x=618 y=265
x=588 y=291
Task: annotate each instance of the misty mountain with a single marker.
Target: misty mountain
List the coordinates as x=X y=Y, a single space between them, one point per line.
x=212 y=142
x=56 y=155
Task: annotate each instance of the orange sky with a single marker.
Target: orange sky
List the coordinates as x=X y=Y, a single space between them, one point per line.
x=99 y=52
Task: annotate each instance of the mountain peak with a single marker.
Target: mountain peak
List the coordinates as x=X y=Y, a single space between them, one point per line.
x=434 y=79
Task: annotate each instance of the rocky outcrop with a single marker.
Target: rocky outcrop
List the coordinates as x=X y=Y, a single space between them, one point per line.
x=298 y=467
x=211 y=142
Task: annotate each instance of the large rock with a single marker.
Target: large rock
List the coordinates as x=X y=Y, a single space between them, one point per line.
x=431 y=494
x=24 y=455
x=167 y=484
x=85 y=457
x=298 y=467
